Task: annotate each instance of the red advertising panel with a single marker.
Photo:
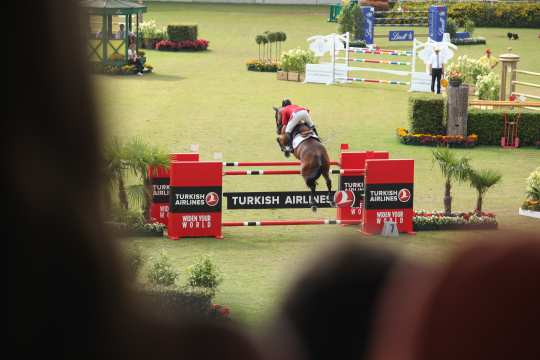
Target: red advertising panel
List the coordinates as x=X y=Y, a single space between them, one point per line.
x=388 y=195
x=159 y=177
x=195 y=199
x=354 y=184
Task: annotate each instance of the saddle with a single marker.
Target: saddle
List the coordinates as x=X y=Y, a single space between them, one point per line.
x=298 y=136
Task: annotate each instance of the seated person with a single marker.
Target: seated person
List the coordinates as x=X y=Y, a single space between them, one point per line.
x=133 y=58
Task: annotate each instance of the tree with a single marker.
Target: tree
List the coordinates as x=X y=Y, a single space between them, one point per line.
x=264 y=40
x=482 y=180
x=281 y=38
x=115 y=167
x=351 y=20
x=259 y=41
x=140 y=157
x=452 y=169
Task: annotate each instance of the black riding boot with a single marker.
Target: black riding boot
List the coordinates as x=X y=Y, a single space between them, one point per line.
x=288 y=145
x=314 y=130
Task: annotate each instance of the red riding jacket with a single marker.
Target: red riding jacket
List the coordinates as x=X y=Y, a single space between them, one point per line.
x=287 y=112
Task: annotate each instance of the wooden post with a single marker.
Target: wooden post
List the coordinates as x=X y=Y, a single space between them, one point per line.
x=508 y=60
x=458 y=101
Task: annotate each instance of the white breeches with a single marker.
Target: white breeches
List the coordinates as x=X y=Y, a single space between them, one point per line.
x=297 y=118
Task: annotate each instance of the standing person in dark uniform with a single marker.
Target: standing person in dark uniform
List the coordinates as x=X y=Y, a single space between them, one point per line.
x=436 y=68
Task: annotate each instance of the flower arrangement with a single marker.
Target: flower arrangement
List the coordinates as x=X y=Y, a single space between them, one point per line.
x=469 y=69
x=193 y=45
x=407 y=138
x=488 y=86
x=296 y=59
x=262 y=65
x=437 y=220
x=150 y=30
x=455 y=75
x=148 y=67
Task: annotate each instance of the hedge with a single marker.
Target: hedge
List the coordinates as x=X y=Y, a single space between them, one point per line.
x=470 y=41
x=176 y=303
x=518 y=15
x=426 y=114
x=489 y=126
x=182 y=32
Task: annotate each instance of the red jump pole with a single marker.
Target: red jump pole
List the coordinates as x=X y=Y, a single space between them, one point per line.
x=269 y=163
x=291 y=222
x=291 y=172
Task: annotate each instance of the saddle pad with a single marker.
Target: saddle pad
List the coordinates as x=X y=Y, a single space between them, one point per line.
x=298 y=139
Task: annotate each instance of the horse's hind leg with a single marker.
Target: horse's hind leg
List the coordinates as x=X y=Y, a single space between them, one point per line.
x=313 y=187
x=328 y=180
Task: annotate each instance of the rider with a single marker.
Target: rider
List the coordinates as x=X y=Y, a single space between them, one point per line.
x=291 y=116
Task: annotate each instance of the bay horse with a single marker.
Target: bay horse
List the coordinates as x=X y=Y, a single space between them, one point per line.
x=312 y=154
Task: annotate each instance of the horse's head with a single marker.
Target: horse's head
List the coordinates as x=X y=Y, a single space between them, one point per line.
x=279 y=124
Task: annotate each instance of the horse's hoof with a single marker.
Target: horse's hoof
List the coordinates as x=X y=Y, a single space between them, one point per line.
x=313 y=208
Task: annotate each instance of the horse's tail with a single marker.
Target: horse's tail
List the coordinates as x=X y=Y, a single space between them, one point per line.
x=311 y=180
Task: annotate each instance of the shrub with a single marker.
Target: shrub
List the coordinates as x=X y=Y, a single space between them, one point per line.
x=167 y=303
x=136 y=260
x=489 y=126
x=523 y=15
x=533 y=185
x=426 y=114
x=451 y=27
x=296 y=60
x=351 y=19
x=182 y=32
x=470 y=41
x=161 y=272
x=204 y=274
x=488 y=86
x=468 y=25
x=150 y=30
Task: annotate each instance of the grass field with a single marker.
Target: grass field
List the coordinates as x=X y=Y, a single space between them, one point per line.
x=210 y=99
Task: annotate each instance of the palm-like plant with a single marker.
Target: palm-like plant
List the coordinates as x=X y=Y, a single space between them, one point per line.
x=142 y=158
x=271 y=39
x=259 y=40
x=115 y=167
x=453 y=169
x=482 y=180
x=282 y=38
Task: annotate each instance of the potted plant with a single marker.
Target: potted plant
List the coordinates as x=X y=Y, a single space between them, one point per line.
x=455 y=78
x=294 y=63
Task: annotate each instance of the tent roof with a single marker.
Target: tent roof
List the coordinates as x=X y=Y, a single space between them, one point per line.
x=112 y=7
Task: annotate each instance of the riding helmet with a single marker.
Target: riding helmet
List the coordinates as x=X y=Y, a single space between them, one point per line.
x=286 y=102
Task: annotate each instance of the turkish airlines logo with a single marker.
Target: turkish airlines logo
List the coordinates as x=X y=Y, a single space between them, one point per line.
x=344 y=198
x=404 y=195
x=211 y=199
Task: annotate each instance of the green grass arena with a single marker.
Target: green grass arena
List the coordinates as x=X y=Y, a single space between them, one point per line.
x=208 y=98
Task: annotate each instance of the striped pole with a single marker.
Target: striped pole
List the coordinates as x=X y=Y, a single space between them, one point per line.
x=402 y=25
x=388 y=62
x=291 y=172
x=389 y=82
x=400 y=19
x=270 y=163
x=400 y=12
x=291 y=222
x=379 y=52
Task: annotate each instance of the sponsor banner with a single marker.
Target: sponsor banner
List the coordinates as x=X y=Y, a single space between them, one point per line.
x=185 y=199
x=401 y=35
x=276 y=200
x=369 y=23
x=354 y=184
x=160 y=190
x=389 y=196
